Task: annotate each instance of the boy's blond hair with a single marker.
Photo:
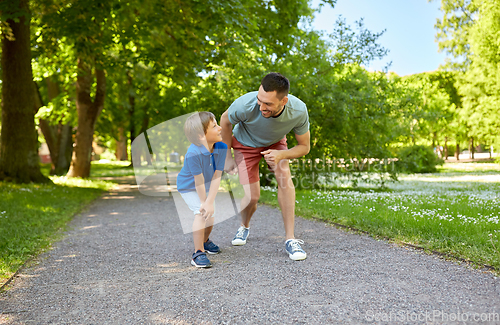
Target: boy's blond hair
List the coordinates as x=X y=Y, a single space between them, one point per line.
x=196 y=125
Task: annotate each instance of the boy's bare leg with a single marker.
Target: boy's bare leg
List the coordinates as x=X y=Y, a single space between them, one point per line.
x=209 y=225
x=286 y=197
x=198 y=232
x=252 y=194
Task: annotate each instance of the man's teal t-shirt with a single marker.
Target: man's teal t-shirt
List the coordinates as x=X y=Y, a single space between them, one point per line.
x=253 y=130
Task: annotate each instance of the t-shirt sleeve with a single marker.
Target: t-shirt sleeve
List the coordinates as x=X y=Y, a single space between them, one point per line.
x=237 y=111
x=221 y=159
x=193 y=164
x=303 y=125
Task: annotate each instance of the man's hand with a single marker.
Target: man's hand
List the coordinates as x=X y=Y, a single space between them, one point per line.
x=230 y=166
x=273 y=157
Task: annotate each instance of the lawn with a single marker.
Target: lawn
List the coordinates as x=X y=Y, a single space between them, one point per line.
x=32 y=216
x=455 y=211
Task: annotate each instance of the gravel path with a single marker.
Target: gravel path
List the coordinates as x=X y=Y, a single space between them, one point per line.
x=126 y=261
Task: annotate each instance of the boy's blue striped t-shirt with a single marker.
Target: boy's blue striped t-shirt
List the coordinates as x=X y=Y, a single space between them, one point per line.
x=199 y=160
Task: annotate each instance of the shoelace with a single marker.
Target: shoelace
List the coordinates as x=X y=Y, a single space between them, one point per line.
x=295 y=244
x=240 y=232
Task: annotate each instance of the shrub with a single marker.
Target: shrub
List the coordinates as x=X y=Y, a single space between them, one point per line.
x=418 y=159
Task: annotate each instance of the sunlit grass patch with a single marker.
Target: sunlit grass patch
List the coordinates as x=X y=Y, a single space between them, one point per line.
x=106 y=168
x=449 y=214
x=32 y=215
x=469 y=167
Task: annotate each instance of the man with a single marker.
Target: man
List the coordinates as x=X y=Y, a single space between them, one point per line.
x=262 y=120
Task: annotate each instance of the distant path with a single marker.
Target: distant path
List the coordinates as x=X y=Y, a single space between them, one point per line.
x=126 y=261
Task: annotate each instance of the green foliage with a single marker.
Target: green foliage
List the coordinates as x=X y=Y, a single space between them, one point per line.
x=417 y=159
x=480 y=85
x=453 y=28
x=469 y=31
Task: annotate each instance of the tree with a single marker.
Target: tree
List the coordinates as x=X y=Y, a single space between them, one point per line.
x=469 y=31
x=480 y=85
x=19 y=160
x=454 y=28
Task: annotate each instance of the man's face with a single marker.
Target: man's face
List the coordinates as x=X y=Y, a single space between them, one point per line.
x=270 y=104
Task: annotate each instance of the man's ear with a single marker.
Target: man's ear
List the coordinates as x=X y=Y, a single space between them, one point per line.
x=284 y=100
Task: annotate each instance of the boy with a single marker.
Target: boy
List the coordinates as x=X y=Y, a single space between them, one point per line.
x=199 y=180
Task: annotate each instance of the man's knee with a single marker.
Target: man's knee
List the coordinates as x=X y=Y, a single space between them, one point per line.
x=283 y=175
x=254 y=195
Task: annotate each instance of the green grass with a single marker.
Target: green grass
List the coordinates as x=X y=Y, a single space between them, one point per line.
x=32 y=216
x=122 y=168
x=456 y=211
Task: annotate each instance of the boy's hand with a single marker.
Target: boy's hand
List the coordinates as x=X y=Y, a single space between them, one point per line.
x=207 y=210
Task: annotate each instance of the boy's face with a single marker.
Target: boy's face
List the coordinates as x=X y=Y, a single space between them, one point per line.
x=213 y=133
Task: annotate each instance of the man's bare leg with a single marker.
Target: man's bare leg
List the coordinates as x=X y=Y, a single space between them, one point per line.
x=286 y=200
x=249 y=202
x=286 y=197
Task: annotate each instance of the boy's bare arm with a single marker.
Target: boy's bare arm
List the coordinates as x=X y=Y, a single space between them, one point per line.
x=199 y=183
x=214 y=186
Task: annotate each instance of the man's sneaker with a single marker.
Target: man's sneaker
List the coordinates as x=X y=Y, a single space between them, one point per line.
x=294 y=250
x=241 y=236
x=210 y=247
x=200 y=259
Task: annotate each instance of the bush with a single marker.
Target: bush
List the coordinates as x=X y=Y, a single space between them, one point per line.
x=418 y=159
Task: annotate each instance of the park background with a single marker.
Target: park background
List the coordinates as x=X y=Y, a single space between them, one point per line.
x=83 y=79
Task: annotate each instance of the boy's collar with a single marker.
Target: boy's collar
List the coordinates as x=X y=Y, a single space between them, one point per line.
x=204 y=149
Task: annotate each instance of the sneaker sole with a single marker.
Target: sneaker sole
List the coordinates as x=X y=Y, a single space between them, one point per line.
x=212 y=253
x=202 y=266
x=238 y=242
x=298 y=257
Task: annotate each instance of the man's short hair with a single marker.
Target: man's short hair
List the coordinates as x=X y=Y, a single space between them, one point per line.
x=275 y=81
x=196 y=125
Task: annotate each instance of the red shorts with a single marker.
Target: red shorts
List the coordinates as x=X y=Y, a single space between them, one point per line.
x=248 y=158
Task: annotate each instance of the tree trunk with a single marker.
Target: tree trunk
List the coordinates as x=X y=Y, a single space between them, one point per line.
x=131 y=100
x=57 y=137
x=45 y=127
x=144 y=127
x=88 y=111
x=19 y=161
x=471 y=148
x=457 y=152
x=65 y=144
x=445 y=148
x=121 y=145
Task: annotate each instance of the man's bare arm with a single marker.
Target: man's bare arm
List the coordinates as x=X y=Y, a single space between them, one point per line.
x=302 y=148
x=227 y=131
x=227 y=138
